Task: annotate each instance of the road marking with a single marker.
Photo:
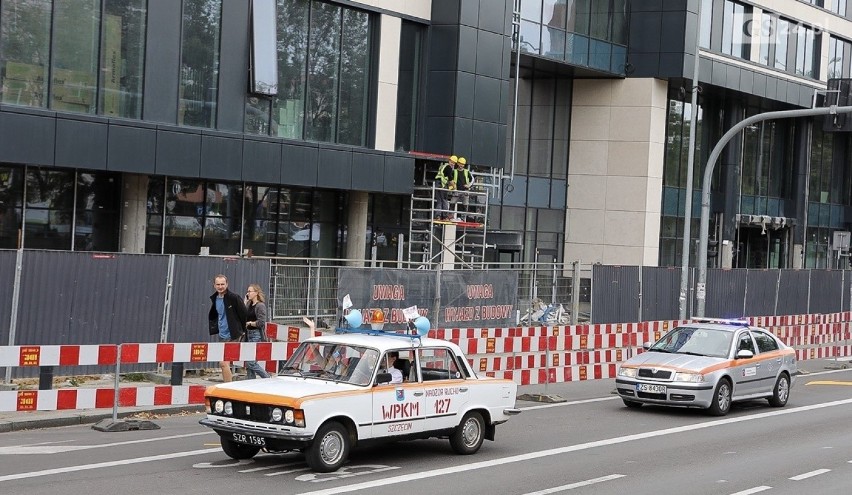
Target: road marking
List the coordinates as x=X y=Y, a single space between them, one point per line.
x=579 y=484
x=572 y=403
x=811 y=474
x=59 y=449
x=829 y=382
x=756 y=489
x=289 y=471
x=568 y=449
x=124 y=462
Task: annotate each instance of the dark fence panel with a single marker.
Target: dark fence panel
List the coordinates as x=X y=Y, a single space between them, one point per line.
x=7 y=287
x=761 y=292
x=847 y=286
x=793 y=292
x=660 y=293
x=826 y=291
x=192 y=286
x=615 y=294
x=725 y=293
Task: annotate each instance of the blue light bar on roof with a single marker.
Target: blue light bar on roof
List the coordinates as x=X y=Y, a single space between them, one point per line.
x=722 y=321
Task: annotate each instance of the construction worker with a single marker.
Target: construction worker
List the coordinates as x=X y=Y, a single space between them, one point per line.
x=445 y=180
x=464 y=181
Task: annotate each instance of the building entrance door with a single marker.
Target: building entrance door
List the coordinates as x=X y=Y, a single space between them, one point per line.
x=761 y=248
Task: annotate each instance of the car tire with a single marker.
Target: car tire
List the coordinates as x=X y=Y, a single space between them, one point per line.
x=469 y=434
x=721 y=402
x=781 y=392
x=330 y=448
x=632 y=404
x=236 y=450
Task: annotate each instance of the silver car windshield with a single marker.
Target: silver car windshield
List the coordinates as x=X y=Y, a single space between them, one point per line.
x=336 y=362
x=696 y=342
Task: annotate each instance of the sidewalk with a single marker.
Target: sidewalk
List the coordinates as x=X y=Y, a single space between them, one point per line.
x=579 y=390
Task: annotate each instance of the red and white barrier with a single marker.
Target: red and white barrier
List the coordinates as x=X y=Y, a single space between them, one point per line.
x=100 y=398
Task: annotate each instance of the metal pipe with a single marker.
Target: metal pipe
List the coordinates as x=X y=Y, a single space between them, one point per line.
x=690 y=167
x=516 y=39
x=16 y=297
x=701 y=285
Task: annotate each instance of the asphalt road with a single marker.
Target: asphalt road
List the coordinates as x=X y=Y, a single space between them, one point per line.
x=590 y=444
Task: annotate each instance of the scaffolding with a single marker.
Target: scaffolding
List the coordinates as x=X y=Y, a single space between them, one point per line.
x=459 y=241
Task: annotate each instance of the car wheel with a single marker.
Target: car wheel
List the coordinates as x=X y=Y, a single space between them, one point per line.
x=236 y=450
x=781 y=392
x=632 y=404
x=721 y=403
x=329 y=449
x=468 y=436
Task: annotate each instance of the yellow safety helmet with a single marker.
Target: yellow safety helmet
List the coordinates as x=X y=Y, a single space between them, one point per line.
x=462 y=161
x=455 y=159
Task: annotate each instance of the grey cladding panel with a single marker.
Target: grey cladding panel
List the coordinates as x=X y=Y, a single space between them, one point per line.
x=81 y=144
x=221 y=158
x=178 y=154
x=463 y=139
x=335 y=169
x=746 y=81
x=445 y=11
x=538 y=192
x=162 y=61
x=469 y=12
x=518 y=195
x=261 y=161
x=720 y=74
x=300 y=165
x=443 y=48
x=484 y=146
x=131 y=149
x=368 y=172
x=439 y=94
x=492 y=15
x=486 y=97
x=733 y=77
x=673 y=34
x=645 y=32
x=759 y=84
x=467 y=56
x=465 y=95
x=233 y=66
x=399 y=174
x=489 y=53
x=27 y=138
x=439 y=134
x=558 y=199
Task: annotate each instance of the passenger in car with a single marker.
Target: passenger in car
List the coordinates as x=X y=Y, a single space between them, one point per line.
x=396 y=374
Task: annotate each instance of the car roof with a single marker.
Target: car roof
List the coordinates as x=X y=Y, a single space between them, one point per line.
x=384 y=341
x=722 y=325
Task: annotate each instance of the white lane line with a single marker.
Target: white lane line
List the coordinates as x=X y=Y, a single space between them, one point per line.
x=578 y=484
x=58 y=449
x=570 y=448
x=756 y=489
x=124 y=462
x=289 y=471
x=811 y=474
x=572 y=403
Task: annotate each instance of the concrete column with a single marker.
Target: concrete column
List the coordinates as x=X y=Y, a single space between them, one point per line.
x=356 y=228
x=134 y=209
x=448 y=259
x=388 y=82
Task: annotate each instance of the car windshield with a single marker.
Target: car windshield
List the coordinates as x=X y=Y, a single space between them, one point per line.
x=330 y=361
x=695 y=341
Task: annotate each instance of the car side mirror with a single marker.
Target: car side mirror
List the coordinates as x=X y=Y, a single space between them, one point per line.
x=745 y=354
x=383 y=378
x=647 y=345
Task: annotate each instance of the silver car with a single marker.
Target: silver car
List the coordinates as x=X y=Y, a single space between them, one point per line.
x=709 y=365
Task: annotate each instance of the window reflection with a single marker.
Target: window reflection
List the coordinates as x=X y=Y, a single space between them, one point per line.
x=24 y=58
x=11 y=191
x=410 y=52
x=97 y=214
x=199 y=70
x=323 y=72
x=289 y=107
x=49 y=209
x=122 y=57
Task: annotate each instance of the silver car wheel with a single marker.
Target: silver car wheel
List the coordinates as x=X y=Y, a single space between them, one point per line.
x=783 y=390
x=331 y=447
x=471 y=432
x=724 y=396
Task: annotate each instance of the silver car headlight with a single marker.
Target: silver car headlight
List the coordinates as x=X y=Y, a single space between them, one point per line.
x=288 y=416
x=689 y=377
x=229 y=408
x=219 y=406
x=277 y=414
x=627 y=372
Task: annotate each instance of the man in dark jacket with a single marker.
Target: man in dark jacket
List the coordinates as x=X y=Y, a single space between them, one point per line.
x=227 y=317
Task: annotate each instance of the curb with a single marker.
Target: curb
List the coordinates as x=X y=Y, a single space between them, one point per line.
x=82 y=419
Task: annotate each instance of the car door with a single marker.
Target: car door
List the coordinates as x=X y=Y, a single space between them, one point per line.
x=768 y=369
x=445 y=386
x=745 y=371
x=398 y=408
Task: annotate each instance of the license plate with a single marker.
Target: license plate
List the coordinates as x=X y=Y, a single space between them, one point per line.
x=248 y=439
x=651 y=389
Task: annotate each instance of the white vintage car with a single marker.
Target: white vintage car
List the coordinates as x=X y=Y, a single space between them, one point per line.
x=338 y=391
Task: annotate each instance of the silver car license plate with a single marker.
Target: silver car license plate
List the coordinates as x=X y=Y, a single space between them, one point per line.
x=651 y=389
x=248 y=439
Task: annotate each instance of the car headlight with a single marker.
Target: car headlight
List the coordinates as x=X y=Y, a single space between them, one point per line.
x=219 y=406
x=628 y=372
x=229 y=408
x=288 y=416
x=689 y=377
x=277 y=414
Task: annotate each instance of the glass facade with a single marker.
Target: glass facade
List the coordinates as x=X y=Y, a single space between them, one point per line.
x=199 y=68
x=579 y=32
x=85 y=56
x=408 y=89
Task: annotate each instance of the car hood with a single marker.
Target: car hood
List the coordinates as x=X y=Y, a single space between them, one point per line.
x=282 y=386
x=674 y=361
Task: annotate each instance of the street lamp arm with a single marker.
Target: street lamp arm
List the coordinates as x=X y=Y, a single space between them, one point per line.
x=708 y=175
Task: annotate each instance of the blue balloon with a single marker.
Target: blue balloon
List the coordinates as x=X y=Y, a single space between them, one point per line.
x=354 y=318
x=422 y=325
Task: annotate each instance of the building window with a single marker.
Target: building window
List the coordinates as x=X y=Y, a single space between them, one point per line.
x=410 y=60
x=737 y=19
x=11 y=206
x=839 y=7
x=838 y=55
x=199 y=69
x=94 y=59
x=773 y=41
x=97 y=215
x=807 y=50
x=706 y=23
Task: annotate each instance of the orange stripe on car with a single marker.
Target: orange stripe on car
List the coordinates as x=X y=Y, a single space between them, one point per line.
x=725 y=364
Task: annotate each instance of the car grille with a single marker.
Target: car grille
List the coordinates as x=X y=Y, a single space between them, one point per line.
x=646 y=395
x=655 y=374
x=250 y=412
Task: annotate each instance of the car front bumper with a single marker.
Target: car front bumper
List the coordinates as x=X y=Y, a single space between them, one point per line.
x=677 y=393
x=278 y=437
